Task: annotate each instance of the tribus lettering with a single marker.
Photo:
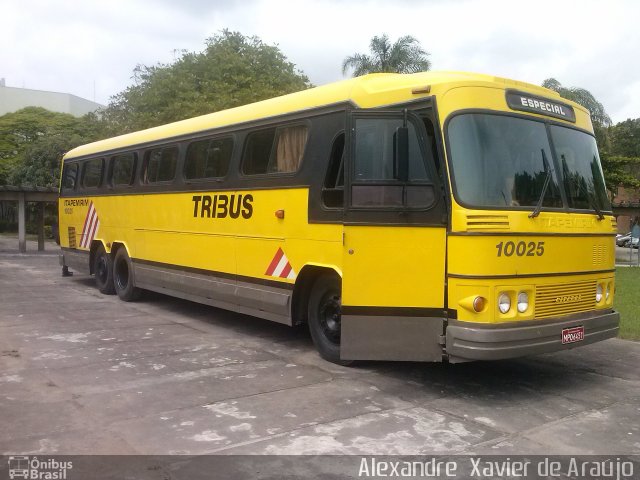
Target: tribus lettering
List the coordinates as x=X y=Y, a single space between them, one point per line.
x=221 y=206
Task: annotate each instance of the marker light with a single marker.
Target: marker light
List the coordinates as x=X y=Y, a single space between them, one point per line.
x=598 y=293
x=479 y=303
x=523 y=302
x=504 y=303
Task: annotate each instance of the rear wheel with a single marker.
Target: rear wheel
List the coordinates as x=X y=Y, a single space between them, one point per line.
x=103 y=271
x=123 y=277
x=325 y=317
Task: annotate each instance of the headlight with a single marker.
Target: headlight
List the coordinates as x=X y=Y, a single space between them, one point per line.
x=523 y=302
x=608 y=292
x=504 y=303
x=598 y=293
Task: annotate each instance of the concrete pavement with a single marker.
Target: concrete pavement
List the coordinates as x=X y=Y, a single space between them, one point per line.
x=84 y=373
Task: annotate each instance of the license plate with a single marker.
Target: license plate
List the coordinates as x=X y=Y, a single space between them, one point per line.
x=572 y=335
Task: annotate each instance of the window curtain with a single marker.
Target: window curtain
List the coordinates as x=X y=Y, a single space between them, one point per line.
x=291 y=143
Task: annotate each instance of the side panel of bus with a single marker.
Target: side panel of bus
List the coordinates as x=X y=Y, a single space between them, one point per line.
x=393 y=289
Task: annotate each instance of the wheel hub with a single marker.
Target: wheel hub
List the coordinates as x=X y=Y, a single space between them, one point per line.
x=330 y=318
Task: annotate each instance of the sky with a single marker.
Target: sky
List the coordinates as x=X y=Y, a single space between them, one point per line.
x=89 y=48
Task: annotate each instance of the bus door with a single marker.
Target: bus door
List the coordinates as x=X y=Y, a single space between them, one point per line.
x=394 y=240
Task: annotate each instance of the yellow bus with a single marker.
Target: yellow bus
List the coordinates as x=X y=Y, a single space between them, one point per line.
x=438 y=216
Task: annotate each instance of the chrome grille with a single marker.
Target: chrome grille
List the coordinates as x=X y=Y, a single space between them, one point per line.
x=565 y=298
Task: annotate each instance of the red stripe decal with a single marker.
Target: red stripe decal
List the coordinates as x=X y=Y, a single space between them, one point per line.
x=274 y=262
x=92 y=229
x=86 y=240
x=286 y=270
x=86 y=219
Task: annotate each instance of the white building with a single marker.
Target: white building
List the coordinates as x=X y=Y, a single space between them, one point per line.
x=13 y=99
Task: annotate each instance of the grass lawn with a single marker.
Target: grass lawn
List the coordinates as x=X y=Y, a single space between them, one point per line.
x=627 y=301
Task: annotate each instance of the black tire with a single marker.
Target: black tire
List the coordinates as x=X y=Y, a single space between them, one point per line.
x=123 y=280
x=103 y=271
x=324 y=317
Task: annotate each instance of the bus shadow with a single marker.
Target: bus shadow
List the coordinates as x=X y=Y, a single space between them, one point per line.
x=555 y=373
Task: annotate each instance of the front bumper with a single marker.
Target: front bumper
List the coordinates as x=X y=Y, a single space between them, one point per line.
x=471 y=341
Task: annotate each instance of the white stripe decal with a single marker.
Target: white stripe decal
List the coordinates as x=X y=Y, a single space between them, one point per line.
x=91 y=225
x=280 y=267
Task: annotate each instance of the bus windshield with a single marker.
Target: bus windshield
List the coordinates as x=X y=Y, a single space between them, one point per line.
x=500 y=161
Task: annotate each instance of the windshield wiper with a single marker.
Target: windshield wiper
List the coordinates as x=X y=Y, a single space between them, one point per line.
x=593 y=204
x=547 y=179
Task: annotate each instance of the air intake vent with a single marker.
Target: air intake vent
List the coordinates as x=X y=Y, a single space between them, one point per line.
x=599 y=254
x=487 y=222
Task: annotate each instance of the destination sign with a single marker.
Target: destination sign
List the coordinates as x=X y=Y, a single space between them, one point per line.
x=526 y=102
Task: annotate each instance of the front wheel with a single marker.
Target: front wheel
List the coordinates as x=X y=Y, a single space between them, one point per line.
x=325 y=318
x=103 y=271
x=123 y=277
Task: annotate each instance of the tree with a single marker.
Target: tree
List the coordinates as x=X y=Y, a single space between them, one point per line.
x=625 y=138
x=233 y=70
x=621 y=161
x=579 y=95
x=404 y=56
x=32 y=142
x=619 y=154
x=39 y=164
x=599 y=117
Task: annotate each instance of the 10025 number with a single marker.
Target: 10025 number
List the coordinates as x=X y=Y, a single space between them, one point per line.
x=520 y=249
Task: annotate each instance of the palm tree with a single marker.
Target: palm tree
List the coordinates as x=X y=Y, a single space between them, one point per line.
x=404 y=56
x=584 y=97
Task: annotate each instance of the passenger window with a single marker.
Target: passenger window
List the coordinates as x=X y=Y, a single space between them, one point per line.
x=208 y=158
x=274 y=150
x=257 y=152
x=290 y=149
x=92 y=172
x=69 y=176
x=123 y=169
x=160 y=165
x=333 y=187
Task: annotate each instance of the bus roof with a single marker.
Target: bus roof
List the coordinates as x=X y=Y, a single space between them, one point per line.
x=368 y=91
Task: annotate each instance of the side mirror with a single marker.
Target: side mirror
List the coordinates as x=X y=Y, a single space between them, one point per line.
x=401 y=154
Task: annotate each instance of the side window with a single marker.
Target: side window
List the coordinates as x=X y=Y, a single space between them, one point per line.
x=257 y=152
x=374 y=150
x=333 y=187
x=69 y=176
x=432 y=148
x=208 y=158
x=274 y=150
x=92 y=172
x=160 y=164
x=376 y=169
x=123 y=169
